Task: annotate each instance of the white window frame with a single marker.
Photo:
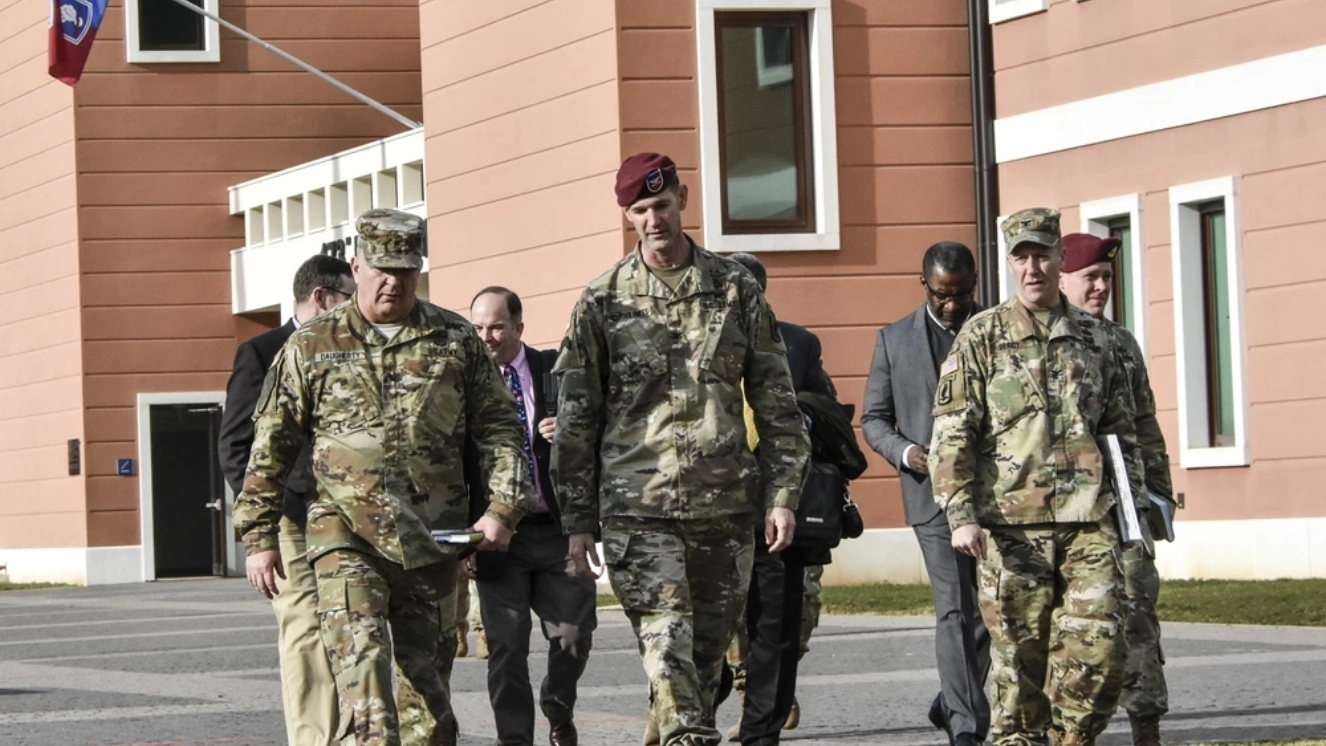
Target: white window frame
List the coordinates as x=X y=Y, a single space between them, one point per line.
x=1096 y=216
x=1007 y=285
x=824 y=124
x=1189 y=341
x=211 y=51
x=1010 y=9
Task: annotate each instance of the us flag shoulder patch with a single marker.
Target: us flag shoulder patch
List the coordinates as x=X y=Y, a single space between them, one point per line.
x=950 y=366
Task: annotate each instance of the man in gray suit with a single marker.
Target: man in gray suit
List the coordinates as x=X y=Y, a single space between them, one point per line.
x=896 y=420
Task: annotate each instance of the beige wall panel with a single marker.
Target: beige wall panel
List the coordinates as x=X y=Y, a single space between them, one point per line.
x=814 y=302
x=1284 y=255
x=113 y=493
x=110 y=528
x=111 y=425
x=657 y=53
x=547 y=316
x=57 y=423
x=242 y=156
x=1276 y=489
x=35 y=268
x=1090 y=50
x=904 y=101
x=447 y=20
x=160 y=356
x=929 y=51
x=51 y=494
x=507 y=89
x=1281 y=317
x=159 y=255
x=285 y=87
x=201 y=289
x=32 y=302
x=850 y=348
x=156 y=221
x=117 y=391
x=1282 y=197
x=906 y=194
x=42 y=397
x=36 y=462
x=904 y=145
x=568 y=265
x=40 y=332
x=1281 y=373
x=22 y=151
x=526 y=221
x=56 y=362
x=651 y=104
x=540 y=29
x=590 y=157
x=156 y=322
x=875 y=13
x=46 y=529
x=220 y=122
x=530 y=130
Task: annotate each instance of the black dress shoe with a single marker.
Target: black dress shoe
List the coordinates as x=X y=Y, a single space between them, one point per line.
x=939 y=720
x=564 y=734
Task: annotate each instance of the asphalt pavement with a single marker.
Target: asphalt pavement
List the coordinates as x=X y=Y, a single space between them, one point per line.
x=194 y=662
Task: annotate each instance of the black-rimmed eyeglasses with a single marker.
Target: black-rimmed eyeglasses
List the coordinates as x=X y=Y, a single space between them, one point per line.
x=945 y=297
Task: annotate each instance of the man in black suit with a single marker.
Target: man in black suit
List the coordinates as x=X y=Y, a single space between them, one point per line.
x=535 y=573
x=307 y=686
x=897 y=423
x=774 y=606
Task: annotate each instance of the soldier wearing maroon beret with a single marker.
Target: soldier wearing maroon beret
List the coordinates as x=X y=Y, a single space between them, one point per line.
x=651 y=444
x=1087 y=280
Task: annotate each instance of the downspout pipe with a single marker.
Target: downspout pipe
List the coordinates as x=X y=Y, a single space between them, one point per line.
x=981 y=54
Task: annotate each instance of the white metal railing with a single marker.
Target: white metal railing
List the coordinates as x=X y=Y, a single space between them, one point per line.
x=310 y=209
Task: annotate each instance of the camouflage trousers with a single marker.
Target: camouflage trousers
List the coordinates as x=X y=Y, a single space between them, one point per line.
x=359 y=599
x=1144 y=691
x=810 y=619
x=1053 y=599
x=683 y=585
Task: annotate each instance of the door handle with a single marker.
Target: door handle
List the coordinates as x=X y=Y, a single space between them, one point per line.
x=214 y=505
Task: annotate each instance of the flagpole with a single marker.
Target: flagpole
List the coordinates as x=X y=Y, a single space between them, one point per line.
x=315 y=72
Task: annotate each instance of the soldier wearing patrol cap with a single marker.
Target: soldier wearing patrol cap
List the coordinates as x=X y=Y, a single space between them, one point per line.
x=388 y=388
x=651 y=444
x=1087 y=281
x=1022 y=398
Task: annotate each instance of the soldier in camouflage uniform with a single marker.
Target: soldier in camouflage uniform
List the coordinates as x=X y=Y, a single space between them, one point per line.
x=1087 y=281
x=387 y=388
x=1026 y=391
x=651 y=444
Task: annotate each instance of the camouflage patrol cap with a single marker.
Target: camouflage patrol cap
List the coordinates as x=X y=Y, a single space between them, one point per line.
x=391 y=239
x=1038 y=225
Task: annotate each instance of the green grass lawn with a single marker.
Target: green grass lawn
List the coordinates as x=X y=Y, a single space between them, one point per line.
x=29 y=586
x=1289 y=602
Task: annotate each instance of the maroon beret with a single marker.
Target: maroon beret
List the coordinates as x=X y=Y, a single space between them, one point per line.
x=644 y=175
x=1081 y=250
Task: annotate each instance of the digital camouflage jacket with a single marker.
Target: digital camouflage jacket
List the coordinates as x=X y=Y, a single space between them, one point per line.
x=1017 y=418
x=388 y=420
x=650 y=411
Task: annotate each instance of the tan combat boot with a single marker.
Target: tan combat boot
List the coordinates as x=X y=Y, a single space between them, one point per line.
x=1146 y=730
x=462 y=643
x=481 y=645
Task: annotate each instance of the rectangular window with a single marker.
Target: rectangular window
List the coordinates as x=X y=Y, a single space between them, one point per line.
x=164 y=31
x=164 y=25
x=1215 y=305
x=764 y=151
x=1208 y=324
x=1121 y=217
x=1007 y=10
x=768 y=143
x=1122 y=298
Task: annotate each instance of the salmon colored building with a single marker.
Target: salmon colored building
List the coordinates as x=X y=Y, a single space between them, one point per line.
x=1197 y=132
x=155 y=216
